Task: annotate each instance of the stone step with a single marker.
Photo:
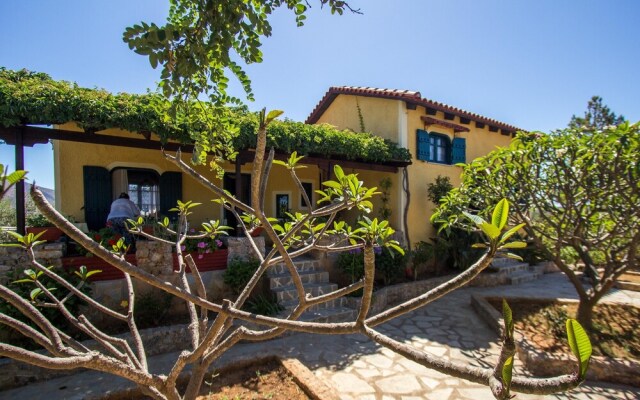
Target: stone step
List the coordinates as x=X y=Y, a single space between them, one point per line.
x=522 y=277
x=335 y=303
x=288 y=293
x=502 y=261
x=538 y=269
x=510 y=268
x=300 y=264
x=285 y=279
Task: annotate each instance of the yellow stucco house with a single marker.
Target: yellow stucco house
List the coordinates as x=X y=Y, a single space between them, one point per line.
x=90 y=173
x=437 y=135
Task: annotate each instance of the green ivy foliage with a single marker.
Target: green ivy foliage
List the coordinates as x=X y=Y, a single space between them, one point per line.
x=34 y=98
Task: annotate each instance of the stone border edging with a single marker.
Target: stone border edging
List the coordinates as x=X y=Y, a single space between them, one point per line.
x=311 y=385
x=542 y=363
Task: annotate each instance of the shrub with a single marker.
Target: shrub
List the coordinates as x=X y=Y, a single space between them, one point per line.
x=352 y=263
x=37 y=221
x=152 y=308
x=239 y=272
x=263 y=304
x=390 y=265
x=24 y=289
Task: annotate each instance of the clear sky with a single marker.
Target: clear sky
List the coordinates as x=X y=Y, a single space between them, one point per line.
x=532 y=64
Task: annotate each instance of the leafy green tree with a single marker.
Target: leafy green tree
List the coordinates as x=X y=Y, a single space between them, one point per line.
x=574 y=191
x=597 y=116
x=202 y=42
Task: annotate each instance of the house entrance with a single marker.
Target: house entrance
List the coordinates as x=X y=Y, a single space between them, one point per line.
x=229 y=184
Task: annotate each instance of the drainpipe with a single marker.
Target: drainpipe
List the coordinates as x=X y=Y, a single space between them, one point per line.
x=238 y=190
x=405 y=188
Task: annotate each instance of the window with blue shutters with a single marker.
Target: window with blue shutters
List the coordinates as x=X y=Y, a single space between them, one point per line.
x=438 y=148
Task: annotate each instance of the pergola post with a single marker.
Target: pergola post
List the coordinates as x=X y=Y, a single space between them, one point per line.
x=19 y=162
x=239 y=190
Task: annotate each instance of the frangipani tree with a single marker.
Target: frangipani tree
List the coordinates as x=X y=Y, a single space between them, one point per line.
x=573 y=191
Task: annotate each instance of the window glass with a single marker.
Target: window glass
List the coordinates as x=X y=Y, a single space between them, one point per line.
x=439 y=149
x=282 y=205
x=144 y=190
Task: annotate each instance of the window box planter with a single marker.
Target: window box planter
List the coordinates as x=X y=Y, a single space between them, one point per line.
x=206 y=261
x=109 y=272
x=51 y=233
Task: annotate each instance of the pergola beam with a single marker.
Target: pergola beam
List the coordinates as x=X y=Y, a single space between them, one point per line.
x=25 y=135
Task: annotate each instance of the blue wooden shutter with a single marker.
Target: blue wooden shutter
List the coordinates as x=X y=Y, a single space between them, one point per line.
x=423 y=145
x=459 y=151
x=170 y=192
x=97 y=196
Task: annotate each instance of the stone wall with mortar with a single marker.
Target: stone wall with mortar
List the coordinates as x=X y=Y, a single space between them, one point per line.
x=240 y=247
x=12 y=258
x=153 y=257
x=392 y=295
x=543 y=363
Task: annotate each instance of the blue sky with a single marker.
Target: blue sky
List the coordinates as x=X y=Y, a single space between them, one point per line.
x=532 y=64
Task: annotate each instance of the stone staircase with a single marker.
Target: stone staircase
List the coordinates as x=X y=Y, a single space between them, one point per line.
x=316 y=282
x=515 y=272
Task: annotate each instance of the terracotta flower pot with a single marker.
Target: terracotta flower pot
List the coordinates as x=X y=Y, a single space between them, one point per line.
x=51 y=233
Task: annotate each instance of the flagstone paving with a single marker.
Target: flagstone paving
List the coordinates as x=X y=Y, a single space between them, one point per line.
x=361 y=370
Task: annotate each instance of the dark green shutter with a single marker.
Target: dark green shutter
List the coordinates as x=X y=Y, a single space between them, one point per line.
x=97 y=196
x=459 y=151
x=170 y=192
x=423 y=145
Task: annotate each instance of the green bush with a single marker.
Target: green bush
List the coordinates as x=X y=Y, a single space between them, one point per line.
x=453 y=247
x=152 y=308
x=73 y=304
x=37 y=221
x=352 y=263
x=263 y=305
x=422 y=254
x=239 y=272
x=390 y=264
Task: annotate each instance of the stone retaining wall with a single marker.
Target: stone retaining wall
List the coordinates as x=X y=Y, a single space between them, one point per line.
x=12 y=258
x=544 y=364
x=393 y=295
x=156 y=341
x=155 y=258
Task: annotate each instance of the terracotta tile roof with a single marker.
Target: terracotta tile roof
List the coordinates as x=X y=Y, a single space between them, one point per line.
x=411 y=97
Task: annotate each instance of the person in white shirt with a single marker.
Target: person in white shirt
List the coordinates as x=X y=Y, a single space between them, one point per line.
x=123 y=209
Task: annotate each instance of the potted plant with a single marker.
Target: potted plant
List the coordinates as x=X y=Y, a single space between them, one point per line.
x=37 y=223
x=208 y=253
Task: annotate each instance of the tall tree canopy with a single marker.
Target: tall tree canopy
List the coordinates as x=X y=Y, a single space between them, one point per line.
x=596 y=117
x=577 y=194
x=200 y=43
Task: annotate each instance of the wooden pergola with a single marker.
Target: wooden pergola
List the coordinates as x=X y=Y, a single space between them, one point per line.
x=28 y=136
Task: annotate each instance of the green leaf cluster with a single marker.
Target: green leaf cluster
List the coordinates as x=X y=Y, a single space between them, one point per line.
x=204 y=41
x=493 y=230
x=319 y=140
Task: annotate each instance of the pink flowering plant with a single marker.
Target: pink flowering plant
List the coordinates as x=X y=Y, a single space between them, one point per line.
x=201 y=245
x=187 y=240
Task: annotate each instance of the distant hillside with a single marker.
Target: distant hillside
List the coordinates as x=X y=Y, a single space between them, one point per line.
x=49 y=194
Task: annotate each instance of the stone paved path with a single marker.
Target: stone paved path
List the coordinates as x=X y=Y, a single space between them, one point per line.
x=361 y=370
